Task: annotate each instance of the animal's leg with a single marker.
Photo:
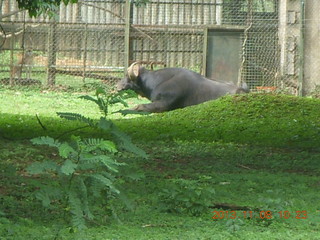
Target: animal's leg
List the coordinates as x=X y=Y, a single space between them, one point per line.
x=152 y=107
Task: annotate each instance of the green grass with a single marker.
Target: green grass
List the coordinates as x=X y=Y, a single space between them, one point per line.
x=259 y=151
x=265 y=120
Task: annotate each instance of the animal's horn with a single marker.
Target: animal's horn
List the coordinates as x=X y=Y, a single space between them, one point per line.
x=133 y=70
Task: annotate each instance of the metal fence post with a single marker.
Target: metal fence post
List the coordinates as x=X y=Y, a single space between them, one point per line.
x=127 y=35
x=204 y=52
x=52 y=48
x=301 y=49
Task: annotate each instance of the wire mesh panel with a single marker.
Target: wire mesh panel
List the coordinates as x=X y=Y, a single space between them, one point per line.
x=178 y=12
x=168 y=46
x=95 y=40
x=259 y=51
x=85 y=43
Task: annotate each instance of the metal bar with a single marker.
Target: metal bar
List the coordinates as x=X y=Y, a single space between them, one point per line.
x=301 y=49
x=52 y=51
x=204 y=52
x=12 y=60
x=85 y=53
x=127 y=35
x=0 y=10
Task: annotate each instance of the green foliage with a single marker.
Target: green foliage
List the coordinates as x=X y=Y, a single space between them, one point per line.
x=77 y=117
x=104 y=100
x=84 y=175
x=88 y=167
x=50 y=7
x=186 y=196
x=37 y=7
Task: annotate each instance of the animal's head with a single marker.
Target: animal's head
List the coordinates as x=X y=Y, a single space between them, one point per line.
x=131 y=79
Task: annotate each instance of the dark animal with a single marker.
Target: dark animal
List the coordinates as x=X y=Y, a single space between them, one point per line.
x=172 y=88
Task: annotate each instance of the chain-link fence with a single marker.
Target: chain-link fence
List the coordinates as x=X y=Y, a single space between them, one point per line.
x=95 y=40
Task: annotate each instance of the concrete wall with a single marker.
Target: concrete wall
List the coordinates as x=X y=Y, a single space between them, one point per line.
x=290 y=24
x=312 y=46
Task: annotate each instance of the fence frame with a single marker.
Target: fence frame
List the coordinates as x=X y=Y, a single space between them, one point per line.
x=134 y=30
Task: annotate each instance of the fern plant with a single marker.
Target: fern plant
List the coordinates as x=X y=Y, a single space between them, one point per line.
x=104 y=100
x=85 y=173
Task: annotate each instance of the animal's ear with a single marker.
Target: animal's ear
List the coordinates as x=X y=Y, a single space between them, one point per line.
x=133 y=71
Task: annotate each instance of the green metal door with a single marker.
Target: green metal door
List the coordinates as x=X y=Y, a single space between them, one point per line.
x=223 y=55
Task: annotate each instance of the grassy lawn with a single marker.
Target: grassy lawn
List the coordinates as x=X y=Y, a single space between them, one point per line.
x=258 y=155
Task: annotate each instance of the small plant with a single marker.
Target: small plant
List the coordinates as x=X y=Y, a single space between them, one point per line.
x=84 y=174
x=104 y=100
x=186 y=196
x=234 y=225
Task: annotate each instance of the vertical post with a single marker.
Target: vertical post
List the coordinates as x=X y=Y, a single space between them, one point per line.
x=85 y=53
x=13 y=40
x=204 y=52
x=219 y=4
x=1 y=10
x=52 y=52
x=249 y=22
x=127 y=35
x=301 y=49
x=283 y=28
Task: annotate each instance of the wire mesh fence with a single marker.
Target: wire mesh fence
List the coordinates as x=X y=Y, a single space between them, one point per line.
x=95 y=40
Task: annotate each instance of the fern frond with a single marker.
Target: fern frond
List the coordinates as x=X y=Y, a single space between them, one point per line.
x=105 y=124
x=95 y=189
x=88 y=158
x=43 y=196
x=46 y=141
x=65 y=150
x=110 y=163
x=109 y=146
x=42 y=167
x=126 y=142
x=75 y=204
x=47 y=193
x=76 y=117
x=118 y=99
x=68 y=167
x=89 y=98
x=99 y=91
x=104 y=145
x=102 y=104
x=105 y=181
x=90 y=161
x=83 y=192
x=109 y=176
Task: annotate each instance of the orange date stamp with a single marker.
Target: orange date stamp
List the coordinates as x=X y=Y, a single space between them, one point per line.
x=259 y=214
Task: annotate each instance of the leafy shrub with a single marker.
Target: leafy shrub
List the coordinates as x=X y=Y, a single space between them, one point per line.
x=84 y=174
x=186 y=196
x=104 y=99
